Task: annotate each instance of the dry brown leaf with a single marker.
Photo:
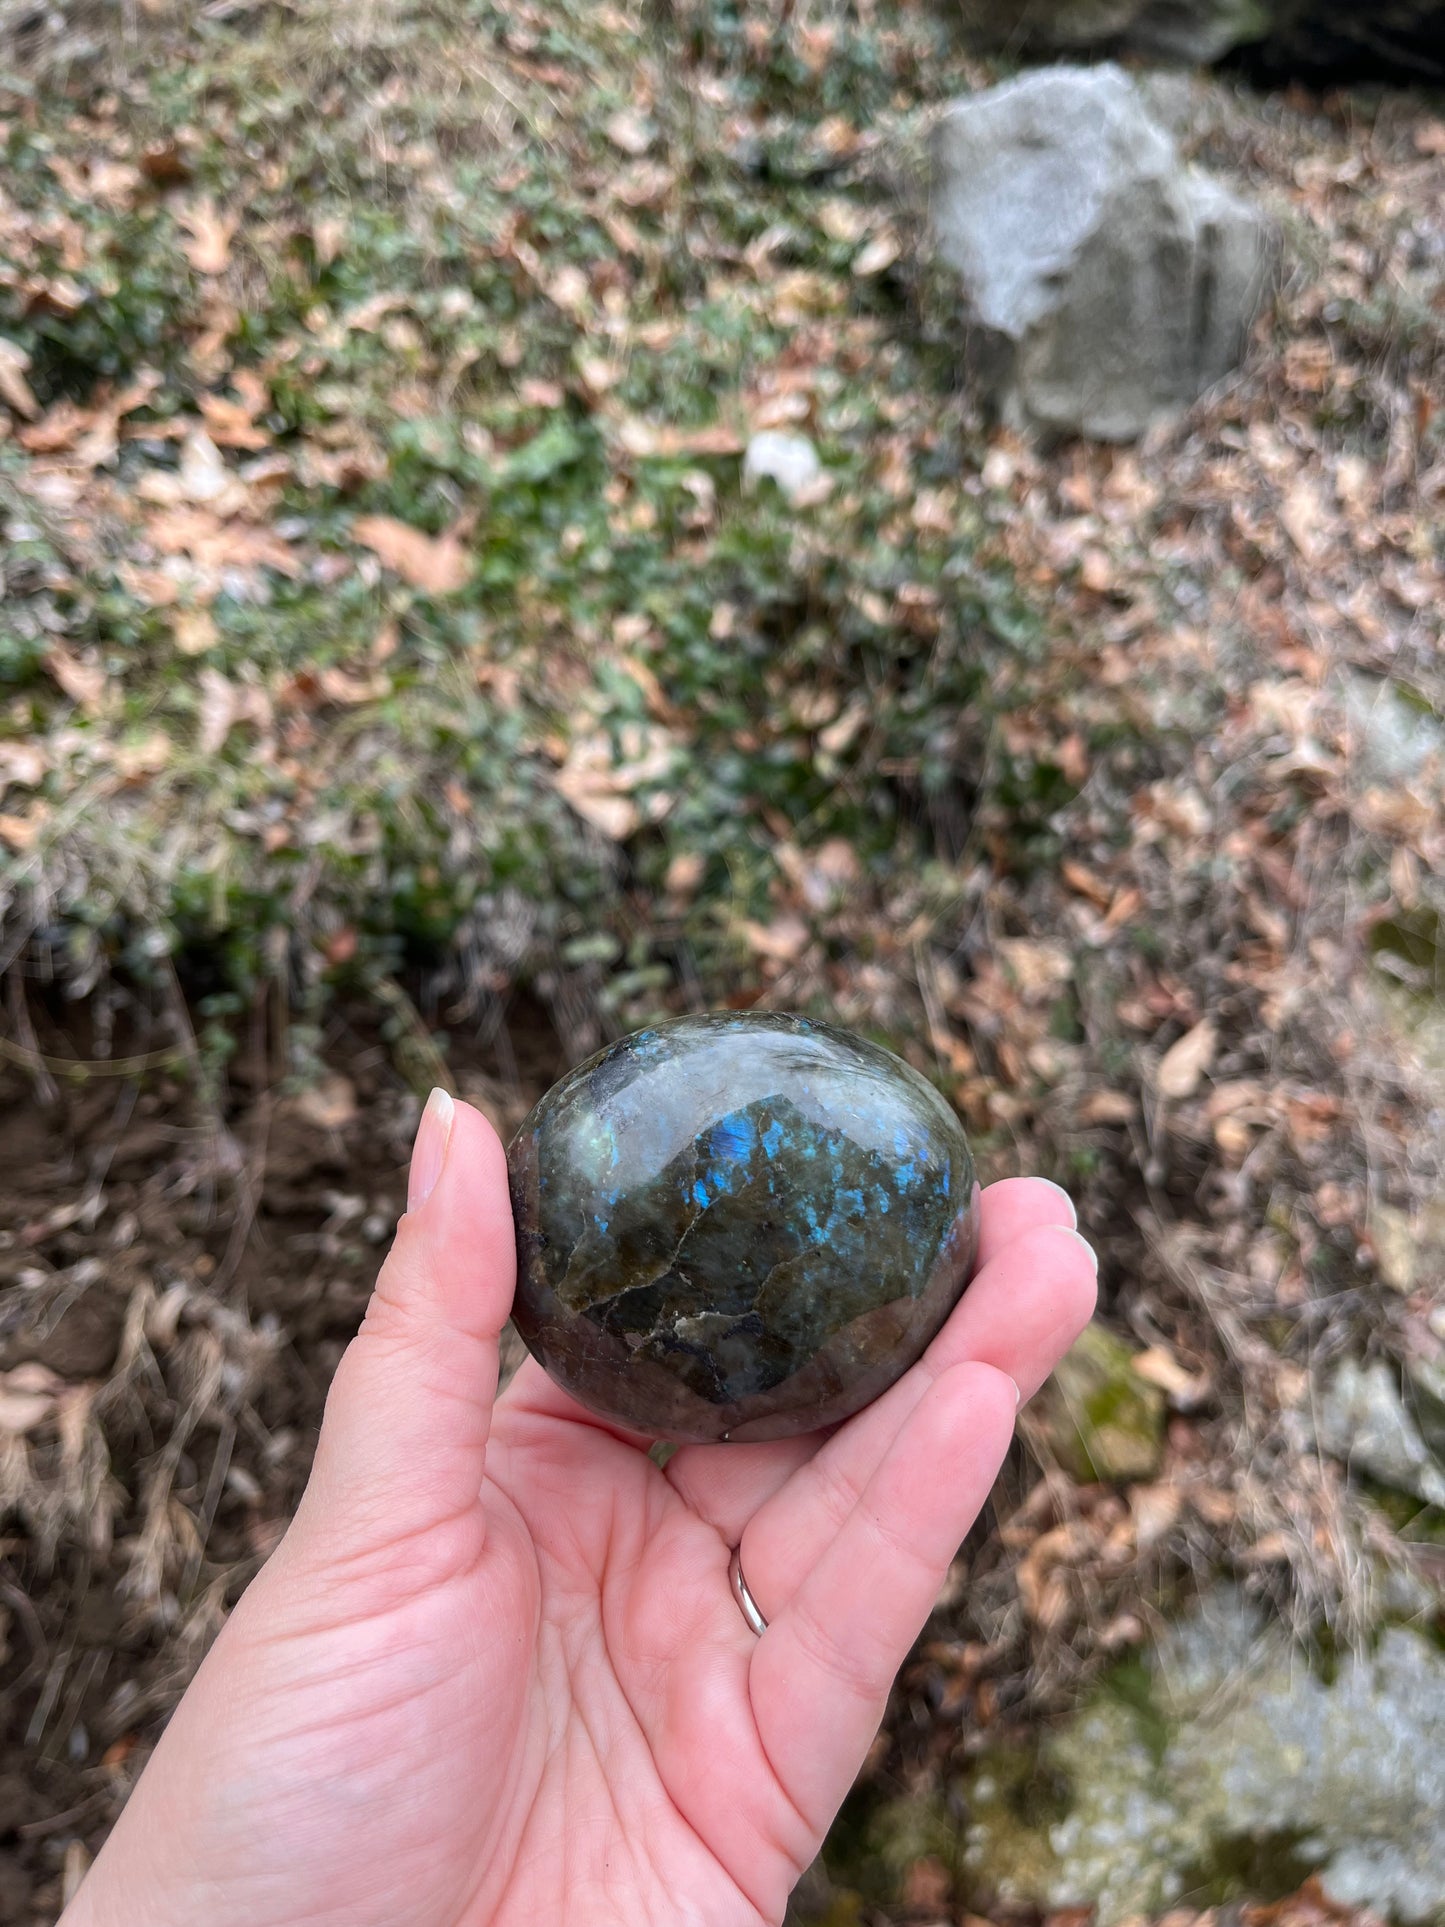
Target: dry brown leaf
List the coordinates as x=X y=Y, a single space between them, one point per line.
x=23 y=764
x=208 y=248
x=20 y=833
x=570 y=290
x=838 y=735
x=1155 y=1509
x=1037 y=968
x=144 y=757
x=1087 y=883
x=14 y=388
x=436 y=564
x=876 y=255
x=329 y=1104
x=1301 y=516
x=630 y=132
x=1158 y=1366
x=232 y=424
x=349 y=691
x=83 y=682
x=1185 y=1062
x=218 y=709
x=1044 y=1592
x=598 y=780
x=328 y=237
x=1124 y=906
x=194 y=631
x=1108 y=1107
x=783 y=940
x=642 y=438
x=58 y=429
x=215 y=544
x=27 y=1395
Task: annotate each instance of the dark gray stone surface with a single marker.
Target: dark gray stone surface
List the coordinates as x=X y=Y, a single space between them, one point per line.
x=738 y=1226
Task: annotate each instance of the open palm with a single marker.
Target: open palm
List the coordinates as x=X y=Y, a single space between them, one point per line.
x=495 y=1671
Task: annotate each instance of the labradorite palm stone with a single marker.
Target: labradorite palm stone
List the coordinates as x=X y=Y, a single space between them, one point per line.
x=738 y=1227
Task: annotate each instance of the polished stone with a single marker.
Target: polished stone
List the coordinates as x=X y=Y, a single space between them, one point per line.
x=738 y=1226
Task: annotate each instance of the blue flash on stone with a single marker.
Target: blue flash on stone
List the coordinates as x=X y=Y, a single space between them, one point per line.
x=787 y=1216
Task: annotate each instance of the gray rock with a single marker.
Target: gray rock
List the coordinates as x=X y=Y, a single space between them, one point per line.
x=1107 y=283
x=1195 y=32
x=1405 y=38
x=1393 y=738
x=1046 y=26
x=1183 y=30
x=1238 y=1742
x=789 y=460
x=1363 y=1421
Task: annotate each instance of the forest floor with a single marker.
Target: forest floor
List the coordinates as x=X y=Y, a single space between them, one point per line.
x=398 y=684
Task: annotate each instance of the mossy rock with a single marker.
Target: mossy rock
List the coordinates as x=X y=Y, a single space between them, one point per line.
x=1097 y=1417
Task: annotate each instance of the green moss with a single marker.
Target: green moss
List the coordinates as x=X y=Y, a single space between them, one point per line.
x=1097 y=1417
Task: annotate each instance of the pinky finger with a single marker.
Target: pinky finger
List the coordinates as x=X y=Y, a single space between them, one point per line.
x=821 y=1673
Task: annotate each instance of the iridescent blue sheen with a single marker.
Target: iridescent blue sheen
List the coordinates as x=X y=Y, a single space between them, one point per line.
x=738 y=1226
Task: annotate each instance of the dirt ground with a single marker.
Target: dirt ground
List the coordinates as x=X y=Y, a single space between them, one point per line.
x=191 y=1274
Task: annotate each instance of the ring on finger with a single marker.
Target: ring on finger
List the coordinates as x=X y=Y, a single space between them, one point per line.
x=747 y=1605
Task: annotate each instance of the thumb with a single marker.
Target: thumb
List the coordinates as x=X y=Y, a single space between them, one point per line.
x=404 y=1439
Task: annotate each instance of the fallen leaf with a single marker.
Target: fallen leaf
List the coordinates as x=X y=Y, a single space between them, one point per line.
x=684 y=873
x=27 y=1395
x=218 y=709
x=164 y=163
x=14 y=388
x=328 y=237
x=1086 y=883
x=570 y=290
x=876 y=255
x=23 y=764
x=209 y=247
x=194 y=631
x=1043 y=1592
x=1037 y=968
x=22 y=832
x=783 y=940
x=1108 y=1107
x=436 y=564
x=842 y=220
x=630 y=132
x=329 y=1104
x=1184 y=1389
x=348 y=691
x=1185 y=1062
x=83 y=682
x=1155 y=1509
x=205 y=478
x=1096 y=572
x=838 y=735
x=214 y=544
x=541 y=394
x=144 y=757
x=598 y=780
x=642 y=439
x=232 y=424
x=1301 y=515
x=58 y=429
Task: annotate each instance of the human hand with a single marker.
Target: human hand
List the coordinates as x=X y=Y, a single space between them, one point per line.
x=495 y=1673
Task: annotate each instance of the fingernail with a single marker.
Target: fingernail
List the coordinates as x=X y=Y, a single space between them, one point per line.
x=430 y=1150
x=1093 y=1255
x=1018 y=1394
x=1073 y=1211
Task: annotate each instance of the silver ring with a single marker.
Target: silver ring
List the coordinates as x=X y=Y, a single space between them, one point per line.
x=747 y=1604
